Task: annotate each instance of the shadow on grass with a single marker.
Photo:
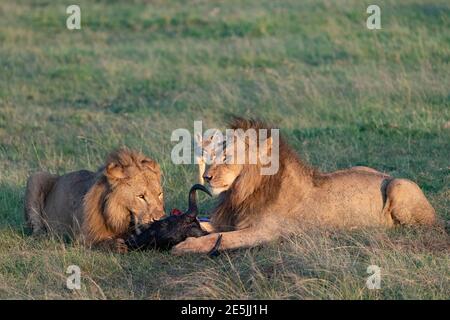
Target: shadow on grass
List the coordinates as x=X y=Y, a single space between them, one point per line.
x=11 y=206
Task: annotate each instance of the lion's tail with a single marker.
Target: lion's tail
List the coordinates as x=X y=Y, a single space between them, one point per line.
x=38 y=187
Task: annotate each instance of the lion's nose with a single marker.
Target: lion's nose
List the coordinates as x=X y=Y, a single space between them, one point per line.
x=160 y=215
x=207 y=177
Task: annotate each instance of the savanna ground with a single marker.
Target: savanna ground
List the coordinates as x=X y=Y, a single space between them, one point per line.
x=343 y=96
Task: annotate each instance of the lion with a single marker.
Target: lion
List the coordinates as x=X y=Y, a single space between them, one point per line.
x=253 y=209
x=98 y=207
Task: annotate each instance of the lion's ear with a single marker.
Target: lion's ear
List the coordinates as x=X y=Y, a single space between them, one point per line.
x=115 y=171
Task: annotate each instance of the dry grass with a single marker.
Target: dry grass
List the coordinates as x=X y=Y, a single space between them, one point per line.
x=415 y=264
x=323 y=265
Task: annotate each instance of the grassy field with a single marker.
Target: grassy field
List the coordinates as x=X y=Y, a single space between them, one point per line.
x=342 y=94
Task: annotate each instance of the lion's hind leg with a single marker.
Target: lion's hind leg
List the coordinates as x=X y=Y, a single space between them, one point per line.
x=38 y=187
x=407 y=205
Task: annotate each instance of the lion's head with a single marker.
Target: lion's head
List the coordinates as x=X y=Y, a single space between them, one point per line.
x=234 y=164
x=128 y=191
x=243 y=189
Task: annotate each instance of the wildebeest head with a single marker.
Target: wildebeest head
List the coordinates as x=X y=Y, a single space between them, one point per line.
x=167 y=232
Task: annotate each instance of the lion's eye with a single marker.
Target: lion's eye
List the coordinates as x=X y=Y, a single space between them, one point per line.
x=160 y=196
x=141 y=196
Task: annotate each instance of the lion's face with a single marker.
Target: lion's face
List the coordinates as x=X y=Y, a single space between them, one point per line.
x=220 y=177
x=142 y=196
x=136 y=195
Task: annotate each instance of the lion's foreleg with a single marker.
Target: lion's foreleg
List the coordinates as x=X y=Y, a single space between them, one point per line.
x=230 y=240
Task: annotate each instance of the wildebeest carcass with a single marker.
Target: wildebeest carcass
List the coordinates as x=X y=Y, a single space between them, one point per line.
x=165 y=233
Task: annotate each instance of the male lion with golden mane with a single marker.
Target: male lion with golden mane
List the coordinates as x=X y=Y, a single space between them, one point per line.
x=99 y=206
x=254 y=208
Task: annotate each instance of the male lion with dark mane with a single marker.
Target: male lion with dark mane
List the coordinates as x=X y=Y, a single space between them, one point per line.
x=254 y=208
x=100 y=206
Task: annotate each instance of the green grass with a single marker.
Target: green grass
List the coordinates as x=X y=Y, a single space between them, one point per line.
x=343 y=96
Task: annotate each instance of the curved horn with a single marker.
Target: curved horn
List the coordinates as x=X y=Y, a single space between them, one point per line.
x=193 y=209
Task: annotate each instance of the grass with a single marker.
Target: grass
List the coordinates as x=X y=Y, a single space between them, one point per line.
x=343 y=96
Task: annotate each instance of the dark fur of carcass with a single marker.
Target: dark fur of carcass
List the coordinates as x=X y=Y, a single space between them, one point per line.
x=165 y=233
